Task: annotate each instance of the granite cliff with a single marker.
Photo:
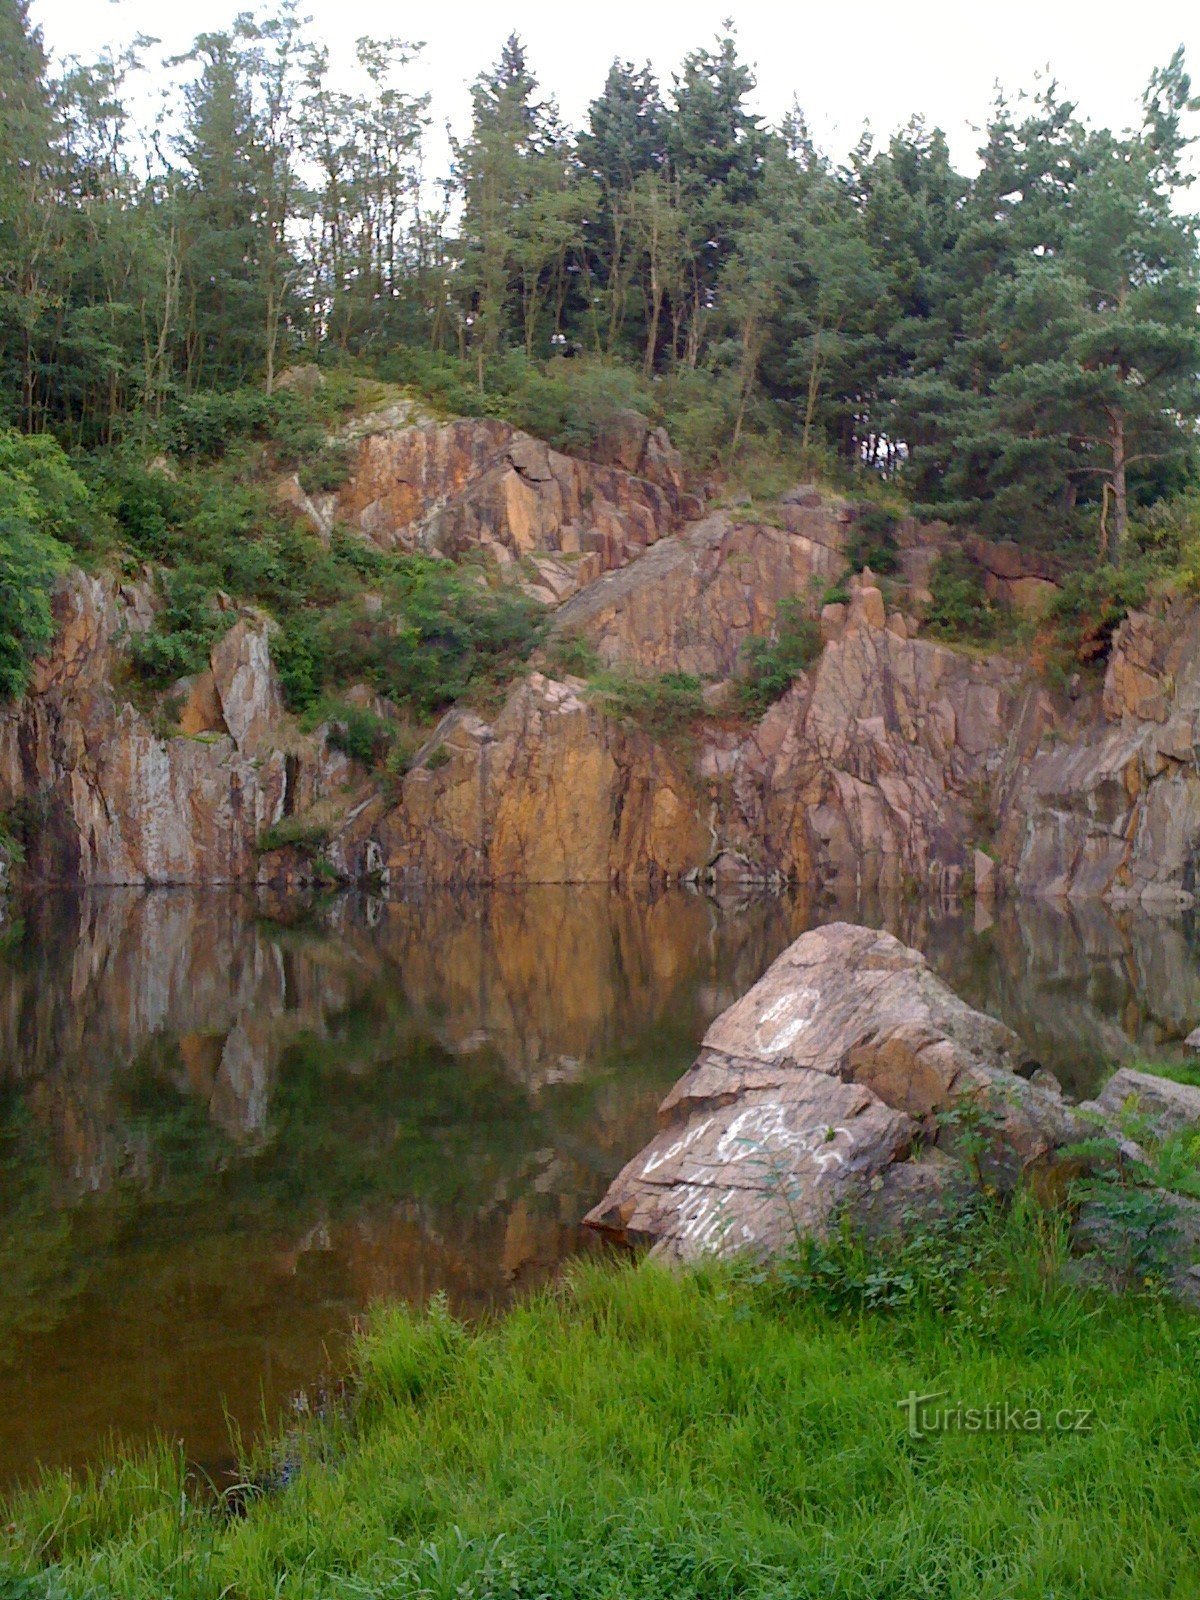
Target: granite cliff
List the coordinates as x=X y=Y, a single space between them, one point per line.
x=893 y=761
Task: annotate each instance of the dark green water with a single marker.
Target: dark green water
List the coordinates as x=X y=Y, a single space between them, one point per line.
x=223 y=1135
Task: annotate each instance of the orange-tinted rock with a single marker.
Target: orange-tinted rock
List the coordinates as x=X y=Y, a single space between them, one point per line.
x=479 y=484
x=201 y=710
x=552 y=791
x=867 y=773
x=119 y=801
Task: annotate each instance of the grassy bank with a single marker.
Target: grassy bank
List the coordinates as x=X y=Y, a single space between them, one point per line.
x=640 y=1435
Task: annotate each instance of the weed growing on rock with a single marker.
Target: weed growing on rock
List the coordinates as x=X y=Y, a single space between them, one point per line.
x=770 y=665
x=667 y=705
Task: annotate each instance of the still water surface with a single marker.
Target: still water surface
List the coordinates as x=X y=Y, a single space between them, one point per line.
x=227 y=1126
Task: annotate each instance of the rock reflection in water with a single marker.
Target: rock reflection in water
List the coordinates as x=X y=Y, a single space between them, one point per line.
x=222 y=1136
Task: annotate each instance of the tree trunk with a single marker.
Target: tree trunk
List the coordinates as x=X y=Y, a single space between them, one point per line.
x=652 y=334
x=1120 y=493
x=814 y=387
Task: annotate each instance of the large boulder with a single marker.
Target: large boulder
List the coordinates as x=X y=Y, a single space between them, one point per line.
x=814 y=1087
x=1160 y=1107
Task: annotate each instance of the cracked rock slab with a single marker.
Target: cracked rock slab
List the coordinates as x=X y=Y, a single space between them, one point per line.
x=809 y=1092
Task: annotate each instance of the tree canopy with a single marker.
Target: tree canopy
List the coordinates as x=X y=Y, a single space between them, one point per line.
x=1019 y=347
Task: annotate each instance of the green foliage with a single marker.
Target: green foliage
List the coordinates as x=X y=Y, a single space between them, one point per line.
x=184 y=630
x=874 y=543
x=719 y=276
x=360 y=734
x=203 y=426
x=970 y=1128
x=1177 y=1071
x=294 y=833
x=439 y=636
x=42 y=504
x=770 y=665
x=294 y=652
x=41 y=488
x=328 y=469
x=447 y=382
x=666 y=705
x=1138 y=1230
x=411 y=1358
x=926 y=1265
x=1176 y=1163
x=570 y=403
x=571 y=656
x=1092 y=604
x=961 y=608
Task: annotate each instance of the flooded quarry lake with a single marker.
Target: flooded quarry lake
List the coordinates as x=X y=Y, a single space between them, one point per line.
x=228 y=1124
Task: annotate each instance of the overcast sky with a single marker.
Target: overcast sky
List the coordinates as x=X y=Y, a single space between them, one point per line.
x=876 y=59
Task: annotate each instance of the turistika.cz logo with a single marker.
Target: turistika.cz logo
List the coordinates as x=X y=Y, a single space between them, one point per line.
x=926 y=1415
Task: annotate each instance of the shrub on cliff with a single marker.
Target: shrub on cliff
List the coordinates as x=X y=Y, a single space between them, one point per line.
x=770 y=665
x=666 y=705
x=43 y=506
x=961 y=608
x=425 y=637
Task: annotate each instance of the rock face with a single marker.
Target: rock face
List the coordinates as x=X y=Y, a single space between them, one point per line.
x=892 y=762
x=116 y=801
x=480 y=484
x=1017 y=578
x=551 y=792
x=868 y=774
x=690 y=604
x=872 y=770
x=1112 y=810
x=808 y=1095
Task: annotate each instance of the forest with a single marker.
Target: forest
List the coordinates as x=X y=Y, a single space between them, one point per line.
x=1015 y=351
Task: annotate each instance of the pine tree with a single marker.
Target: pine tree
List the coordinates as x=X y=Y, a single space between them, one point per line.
x=224 y=218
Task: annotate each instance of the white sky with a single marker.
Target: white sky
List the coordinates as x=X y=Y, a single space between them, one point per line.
x=876 y=59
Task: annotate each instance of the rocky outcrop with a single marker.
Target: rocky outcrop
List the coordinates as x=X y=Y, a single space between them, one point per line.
x=626 y=440
x=892 y=762
x=1015 y=577
x=108 y=797
x=875 y=769
x=690 y=603
x=1111 y=808
x=482 y=485
x=552 y=791
x=873 y=772
x=808 y=1096
x=1160 y=1107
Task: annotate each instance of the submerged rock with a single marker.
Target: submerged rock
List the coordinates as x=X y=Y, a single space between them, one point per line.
x=811 y=1095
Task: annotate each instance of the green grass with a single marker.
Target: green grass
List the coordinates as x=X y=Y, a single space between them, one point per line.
x=655 y=1437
